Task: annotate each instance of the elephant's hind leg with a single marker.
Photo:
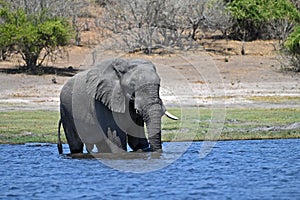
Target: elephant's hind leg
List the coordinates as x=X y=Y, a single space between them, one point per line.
x=74 y=141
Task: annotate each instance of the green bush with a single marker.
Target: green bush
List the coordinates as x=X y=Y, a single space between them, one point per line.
x=33 y=36
x=253 y=16
x=291 y=51
x=263 y=10
x=293 y=41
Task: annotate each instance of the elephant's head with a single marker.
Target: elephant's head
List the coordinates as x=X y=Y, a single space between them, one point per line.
x=118 y=82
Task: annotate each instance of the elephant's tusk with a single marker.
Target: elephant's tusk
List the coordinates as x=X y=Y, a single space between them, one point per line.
x=171 y=116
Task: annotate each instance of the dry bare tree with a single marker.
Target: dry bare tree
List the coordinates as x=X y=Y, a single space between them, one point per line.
x=146 y=24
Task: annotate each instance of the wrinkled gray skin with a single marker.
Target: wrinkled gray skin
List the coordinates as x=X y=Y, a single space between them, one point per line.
x=108 y=104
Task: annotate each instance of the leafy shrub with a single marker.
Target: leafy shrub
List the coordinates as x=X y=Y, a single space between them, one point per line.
x=33 y=36
x=254 y=16
x=293 y=41
x=291 y=51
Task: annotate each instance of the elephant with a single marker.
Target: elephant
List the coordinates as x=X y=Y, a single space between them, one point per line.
x=108 y=105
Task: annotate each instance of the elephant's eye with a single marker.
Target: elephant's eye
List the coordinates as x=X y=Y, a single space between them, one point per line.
x=138 y=112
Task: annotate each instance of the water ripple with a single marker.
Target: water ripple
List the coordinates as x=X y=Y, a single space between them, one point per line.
x=265 y=169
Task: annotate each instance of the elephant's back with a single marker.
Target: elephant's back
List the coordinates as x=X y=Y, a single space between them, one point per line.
x=66 y=94
x=74 y=84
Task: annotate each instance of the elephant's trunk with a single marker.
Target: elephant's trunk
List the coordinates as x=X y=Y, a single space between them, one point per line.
x=153 y=124
x=147 y=100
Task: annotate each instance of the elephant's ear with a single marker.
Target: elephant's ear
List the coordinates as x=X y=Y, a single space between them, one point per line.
x=103 y=84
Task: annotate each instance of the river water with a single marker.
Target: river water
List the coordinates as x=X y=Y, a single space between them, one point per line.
x=257 y=169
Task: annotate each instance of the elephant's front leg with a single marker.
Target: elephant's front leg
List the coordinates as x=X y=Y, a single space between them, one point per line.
x=137 y=139
x=136 y=143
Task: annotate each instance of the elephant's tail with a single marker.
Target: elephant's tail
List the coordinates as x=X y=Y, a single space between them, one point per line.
x=59 y=144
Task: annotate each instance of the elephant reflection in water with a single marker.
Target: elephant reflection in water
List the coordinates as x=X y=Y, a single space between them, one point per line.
x=109 y=104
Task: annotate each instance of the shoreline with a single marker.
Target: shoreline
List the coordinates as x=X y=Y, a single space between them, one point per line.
x=37 y=144
x=273 y=101
x=20 y=127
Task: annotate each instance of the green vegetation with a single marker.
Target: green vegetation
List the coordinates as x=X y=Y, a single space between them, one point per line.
x=293 y=41
x=258 y=19
x=32 y=35
x=240 y=124
x=28 y=126
x=41 y=126
x=291 y=51
x=261 y=11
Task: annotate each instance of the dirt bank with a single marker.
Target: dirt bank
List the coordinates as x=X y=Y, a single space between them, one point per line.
x=199 y=78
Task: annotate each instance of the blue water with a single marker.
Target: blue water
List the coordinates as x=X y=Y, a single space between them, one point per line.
x=265 y=169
